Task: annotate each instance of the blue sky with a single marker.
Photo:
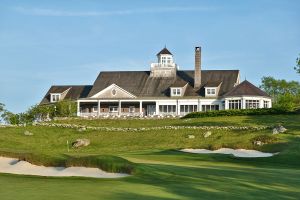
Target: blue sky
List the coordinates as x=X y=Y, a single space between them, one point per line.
x=43 y=43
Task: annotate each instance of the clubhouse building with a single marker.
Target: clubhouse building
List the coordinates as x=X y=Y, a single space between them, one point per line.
x=164 y=90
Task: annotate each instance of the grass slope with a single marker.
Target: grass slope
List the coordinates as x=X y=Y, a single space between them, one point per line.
x=160 y=172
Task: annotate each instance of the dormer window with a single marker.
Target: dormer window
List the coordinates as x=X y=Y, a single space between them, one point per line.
x=212 y=91
x=176 y=91
x=55 y=97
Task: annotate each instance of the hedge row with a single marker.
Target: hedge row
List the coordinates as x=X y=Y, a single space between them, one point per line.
x=241 y=112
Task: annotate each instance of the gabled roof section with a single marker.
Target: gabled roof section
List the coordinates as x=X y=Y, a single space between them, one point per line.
x=107 y=92
x=140 y=84
x=213 y=84
x=74 y=92
x=59 y=89
x=246 y=88
x=164 y=51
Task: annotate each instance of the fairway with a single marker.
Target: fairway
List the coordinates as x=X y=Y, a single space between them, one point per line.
x=159 y=171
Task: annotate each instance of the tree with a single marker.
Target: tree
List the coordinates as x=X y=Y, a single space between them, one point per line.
x=1 y=110
x=297 y=67
x=276 y=87
x=285 y=94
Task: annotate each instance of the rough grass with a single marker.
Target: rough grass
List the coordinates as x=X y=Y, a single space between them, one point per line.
x=261 y=120
x=160 y=172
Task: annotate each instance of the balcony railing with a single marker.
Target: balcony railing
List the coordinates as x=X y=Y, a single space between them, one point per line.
x=166 y=65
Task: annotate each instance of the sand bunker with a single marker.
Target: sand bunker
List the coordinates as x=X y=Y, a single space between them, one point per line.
x=15 y=166
x=236 y=152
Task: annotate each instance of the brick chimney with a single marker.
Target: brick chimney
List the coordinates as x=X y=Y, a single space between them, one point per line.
x=197 y=73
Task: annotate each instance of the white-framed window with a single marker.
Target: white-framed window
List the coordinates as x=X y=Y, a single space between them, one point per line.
x=211 y=91
x=210 y=107
x=54 y=97
x=266 y=104
x=163 y=60
x=167 y=109
x=131 y=109
x=188 y=108
x=169 y=60
x=235 y=104
x=252 y=104
x=176 y=91
x=113 y=108
x=95 y=109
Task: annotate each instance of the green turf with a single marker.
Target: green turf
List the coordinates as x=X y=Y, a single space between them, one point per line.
x=160 y=172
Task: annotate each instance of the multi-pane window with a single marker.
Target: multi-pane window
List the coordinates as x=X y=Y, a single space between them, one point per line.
x=163 y=60
x=266 y=104
x=251 y=104
x=169 y=60
x=188 y=108
x=113 y=108
x=167 y=109
x=176 y=91
x=235 y=104
x=55 y=97
x=131 y=109
x=210 y=91
x=210 y=107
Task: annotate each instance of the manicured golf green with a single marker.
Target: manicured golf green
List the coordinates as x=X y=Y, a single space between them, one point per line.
x=159 y=170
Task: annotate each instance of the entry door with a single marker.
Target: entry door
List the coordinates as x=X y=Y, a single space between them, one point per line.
x=150 y=110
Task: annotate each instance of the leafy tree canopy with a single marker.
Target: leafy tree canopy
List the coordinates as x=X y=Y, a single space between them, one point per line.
x=276 y=87
x=297 y=67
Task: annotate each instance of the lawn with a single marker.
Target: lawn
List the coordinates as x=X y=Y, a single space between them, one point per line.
x=159 y=170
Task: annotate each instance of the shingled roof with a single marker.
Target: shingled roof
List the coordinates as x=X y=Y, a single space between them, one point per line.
x=74 y=92
x=164 y=51
x=140 y=84
x=246 y=89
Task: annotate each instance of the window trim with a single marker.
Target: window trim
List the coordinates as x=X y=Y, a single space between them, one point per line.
x=53 y=100
x=210 y=91
x=252 y=103
x=266 y=104
x=113 y=109
x=235 y=104
x=176 y=91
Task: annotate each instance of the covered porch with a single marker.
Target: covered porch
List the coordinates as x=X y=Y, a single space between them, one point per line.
x=102 y=108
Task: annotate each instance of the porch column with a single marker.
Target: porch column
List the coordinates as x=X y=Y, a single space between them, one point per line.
x=78 y=108
x=226 y=105
x=98 y=108
x=178 y=107
x=119 y=113
x=243 y=103
x=199 y=109
x=141 y=107
x=157 y=108
x=261 y=103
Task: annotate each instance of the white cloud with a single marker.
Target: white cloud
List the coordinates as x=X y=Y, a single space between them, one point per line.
x=57 y=13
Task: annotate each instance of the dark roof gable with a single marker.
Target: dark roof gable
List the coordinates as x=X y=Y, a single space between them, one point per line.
x=164 y=51
x=75 y=92
x=246 y=89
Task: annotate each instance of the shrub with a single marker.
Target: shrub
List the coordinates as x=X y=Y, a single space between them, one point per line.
x=240 y=112
x=266 y=139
